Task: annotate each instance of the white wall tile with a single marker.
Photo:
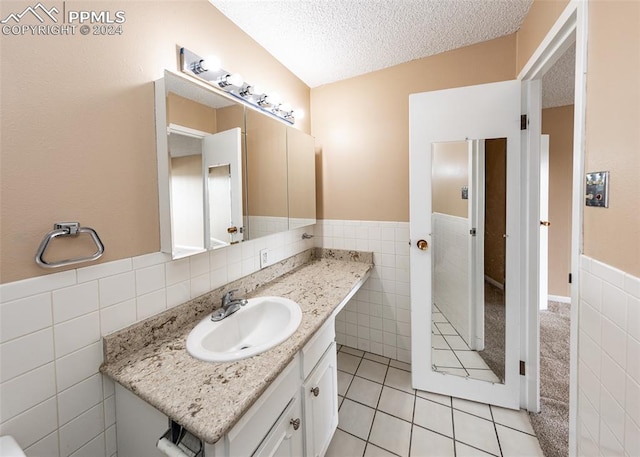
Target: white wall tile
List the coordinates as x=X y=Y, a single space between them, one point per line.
x=76 y=333
x=591 y=322
x=26 y=391
x=612 y=414
x=200 y=285
x=74 y=301
x=46 y=447
x=118 y=288
x=614 y=342
x=591 y=289
x=589 y=352
x=35 y=286
x=632 y=399
x=589 y=416
x=150 y=279
x=104 y=270
x=199 y=264
x=177 y=271
x=633 y=317
x=147 y=260
x=609 y=445
x=78 y=365
x=25 y=353
x=110 y=411
x=608 y=273
x=111 y=441
x=614 y=304
x=27 y=315
x=631 y=437
x=612 y=377
x=633 y=358
x=33 y=424
x=632 y=285
x=117 y=317
x=616 y=410
x=81 y=430
x=94 y=448
x=151 y=304
x=79 y=398
x=178 y=293
x=108 y=386
x=217 y=259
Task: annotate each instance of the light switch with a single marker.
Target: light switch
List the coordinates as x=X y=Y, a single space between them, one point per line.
x=597 y=189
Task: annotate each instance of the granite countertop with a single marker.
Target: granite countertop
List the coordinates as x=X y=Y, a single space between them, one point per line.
x=150 y=357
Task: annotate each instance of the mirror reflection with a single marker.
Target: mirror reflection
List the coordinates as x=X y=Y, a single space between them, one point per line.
x=301 y=159
x=267 y=210
x=205 y=172
x=468 y=270
x=226 y=173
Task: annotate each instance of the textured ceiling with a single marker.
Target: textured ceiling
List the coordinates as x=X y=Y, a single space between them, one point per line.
x=558 y=84
x=323 y=41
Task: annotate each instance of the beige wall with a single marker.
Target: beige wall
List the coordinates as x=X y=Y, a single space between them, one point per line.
x=361 y=126
x=612 y=235
x=449 y=173
x=187 y=113
x=558 y=124
x=78 y=128
x=540 y=18
x=266 y=167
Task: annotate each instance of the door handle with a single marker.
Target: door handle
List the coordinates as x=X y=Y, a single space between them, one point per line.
x=422 y=245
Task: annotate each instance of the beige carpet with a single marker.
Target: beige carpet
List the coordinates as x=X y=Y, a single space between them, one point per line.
x=552 y=423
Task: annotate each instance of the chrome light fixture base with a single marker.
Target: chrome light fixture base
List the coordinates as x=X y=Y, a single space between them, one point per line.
x=232 y=84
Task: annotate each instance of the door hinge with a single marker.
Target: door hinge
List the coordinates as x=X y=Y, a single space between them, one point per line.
x=472 y=232
x=570 y=278
x=522 y=369
x=524 y=122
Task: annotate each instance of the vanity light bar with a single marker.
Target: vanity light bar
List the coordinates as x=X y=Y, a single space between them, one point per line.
x=233 y=84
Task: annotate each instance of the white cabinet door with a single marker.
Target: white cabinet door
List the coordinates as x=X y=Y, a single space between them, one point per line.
x=321 y=404
x=285 y=438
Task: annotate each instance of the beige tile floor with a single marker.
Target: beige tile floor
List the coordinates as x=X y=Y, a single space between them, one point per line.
x=381 y=415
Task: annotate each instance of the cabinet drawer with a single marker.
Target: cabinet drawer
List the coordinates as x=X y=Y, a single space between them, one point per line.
x=317 y=346
x=286 y=437
x=246 y=435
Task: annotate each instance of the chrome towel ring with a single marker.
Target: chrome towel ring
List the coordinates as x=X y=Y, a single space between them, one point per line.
x=68 y=229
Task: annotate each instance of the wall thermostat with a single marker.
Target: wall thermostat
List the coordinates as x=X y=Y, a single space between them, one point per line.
x=598 y=189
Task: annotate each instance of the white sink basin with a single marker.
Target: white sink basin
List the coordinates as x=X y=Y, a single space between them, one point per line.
x=261 y=324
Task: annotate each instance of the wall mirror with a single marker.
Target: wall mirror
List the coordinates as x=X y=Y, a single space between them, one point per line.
x=226 y=172
x=468 y=201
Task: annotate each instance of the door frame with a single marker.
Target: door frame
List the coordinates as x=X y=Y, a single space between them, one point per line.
x=573 y=22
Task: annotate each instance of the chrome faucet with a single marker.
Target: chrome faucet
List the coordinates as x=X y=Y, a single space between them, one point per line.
x=229 y=306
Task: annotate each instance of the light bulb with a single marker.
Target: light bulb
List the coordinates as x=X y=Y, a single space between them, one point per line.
x=274 y=99
x=235 y=80
x=298 y=113
x=211 y=63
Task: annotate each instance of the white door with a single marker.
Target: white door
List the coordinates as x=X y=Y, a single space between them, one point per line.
x=224 y=150
x=544 y=222
x=489 y=111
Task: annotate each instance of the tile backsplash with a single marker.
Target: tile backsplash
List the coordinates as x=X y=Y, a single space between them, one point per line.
x=378 y=318
x=52 y=398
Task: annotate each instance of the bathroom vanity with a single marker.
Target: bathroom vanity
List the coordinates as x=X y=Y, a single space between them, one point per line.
x=283 y=401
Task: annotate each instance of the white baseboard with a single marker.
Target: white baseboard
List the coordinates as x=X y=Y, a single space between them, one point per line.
x=560 y=298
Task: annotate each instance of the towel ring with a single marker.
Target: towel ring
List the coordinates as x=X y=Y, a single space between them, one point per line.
x=68 y=229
